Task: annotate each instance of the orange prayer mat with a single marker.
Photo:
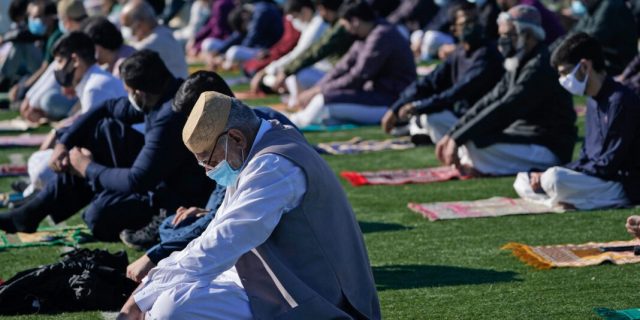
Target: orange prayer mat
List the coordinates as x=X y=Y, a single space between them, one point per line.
x=576 y=255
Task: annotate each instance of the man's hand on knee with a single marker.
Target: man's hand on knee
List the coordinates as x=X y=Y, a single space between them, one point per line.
x=139 y=269
x=59 y=161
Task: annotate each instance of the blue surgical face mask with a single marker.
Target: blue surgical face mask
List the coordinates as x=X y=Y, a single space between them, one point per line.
x=61 y=27
x=578 y=8
x=223 y=174
x=441 y=3
x=37 y=27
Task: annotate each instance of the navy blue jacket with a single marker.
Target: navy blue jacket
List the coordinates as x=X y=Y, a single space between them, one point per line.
x=611 y=149
x=164 y=167
x=457 y=83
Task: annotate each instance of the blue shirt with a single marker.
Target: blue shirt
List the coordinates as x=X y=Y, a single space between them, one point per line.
x=611 y=149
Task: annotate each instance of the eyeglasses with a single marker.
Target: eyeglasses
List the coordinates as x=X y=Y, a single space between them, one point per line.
x=205 y=164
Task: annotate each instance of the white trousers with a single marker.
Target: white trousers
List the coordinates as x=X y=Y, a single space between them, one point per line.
x=317 y=112
x=296 y=83
x=562 y=185
x=496 y=159
x=39 y=172
x=191 y=302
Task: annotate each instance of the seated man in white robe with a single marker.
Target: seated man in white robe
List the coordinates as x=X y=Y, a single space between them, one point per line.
x=284 y=243
x=607 y=173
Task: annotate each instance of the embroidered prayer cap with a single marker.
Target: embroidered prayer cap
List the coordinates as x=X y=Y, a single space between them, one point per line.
x=207 y=121
x=72 y=9
x=524 y=17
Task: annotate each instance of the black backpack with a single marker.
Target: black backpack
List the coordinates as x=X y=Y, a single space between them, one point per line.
x=83 y=280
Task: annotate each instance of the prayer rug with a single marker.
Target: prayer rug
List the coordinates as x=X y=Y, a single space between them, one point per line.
x=13 y=170
x=358 y=145
x=398 y=177
x=425 y=70
x=581 y=110
x=248 y=95
x=492 y=207
x=576 y=255
x=610 y=314
x=17 y=124
x=23 y=140
x=46 y=236
x=328 y=128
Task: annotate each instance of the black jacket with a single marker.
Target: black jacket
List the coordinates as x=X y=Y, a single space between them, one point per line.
x=527 y=106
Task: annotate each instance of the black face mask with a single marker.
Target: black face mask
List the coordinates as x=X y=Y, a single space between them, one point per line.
x=472 y=35
x=506 y=47
x=64 y=76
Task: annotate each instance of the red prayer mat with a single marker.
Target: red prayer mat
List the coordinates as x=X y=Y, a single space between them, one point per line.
x=492 y=207
x=398 y=177
x=13 y=170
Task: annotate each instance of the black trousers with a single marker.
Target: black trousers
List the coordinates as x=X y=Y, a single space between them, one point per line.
x=113 y=144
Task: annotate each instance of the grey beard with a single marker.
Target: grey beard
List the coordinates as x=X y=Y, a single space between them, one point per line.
x=511 y=64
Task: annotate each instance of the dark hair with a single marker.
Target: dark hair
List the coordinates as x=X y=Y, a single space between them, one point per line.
x=576 y=47
x=103 y=33
x=197 y=83
x=50 y=8
x=463 y=6
x=18 y=9
x=75 y=42
x=297 y=5
x=357 y=9
x=236 y=19
x=333 y=5
x=145 y=71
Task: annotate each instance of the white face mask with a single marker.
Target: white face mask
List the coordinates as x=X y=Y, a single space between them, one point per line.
x=134 y=104
x=572 y=84
x=127 y=33
x=298 y=24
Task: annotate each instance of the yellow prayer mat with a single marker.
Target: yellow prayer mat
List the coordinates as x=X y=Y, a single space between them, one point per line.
x=46 y=236
x=576 y=255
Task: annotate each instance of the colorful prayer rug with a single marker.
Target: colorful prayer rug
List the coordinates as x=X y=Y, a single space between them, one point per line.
x=492 y=207
x=576 y=255
x=46 y=236
x=17 y=124
x=248 y=95
x=13 y=170
x=327 y=128
x=610 y=314
x=23 y=140
x=358 y=145
x=398 y=177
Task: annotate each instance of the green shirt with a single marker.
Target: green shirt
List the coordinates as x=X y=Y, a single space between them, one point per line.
x=333 y=45
x=51 y=41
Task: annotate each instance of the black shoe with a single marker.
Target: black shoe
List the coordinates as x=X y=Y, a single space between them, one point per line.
x=147 y=236
x=421 y=140
x=19 y=185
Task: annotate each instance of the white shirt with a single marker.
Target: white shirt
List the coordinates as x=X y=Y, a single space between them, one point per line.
x=161 y=40
x=310 y=35
x=97 y=86
x=267 y=187
x=46 y=82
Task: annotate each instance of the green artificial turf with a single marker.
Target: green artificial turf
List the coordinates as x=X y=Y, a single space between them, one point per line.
x=447 y=269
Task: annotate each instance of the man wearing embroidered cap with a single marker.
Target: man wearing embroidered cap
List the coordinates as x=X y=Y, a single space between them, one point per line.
x=525 y=122
x=268 y=252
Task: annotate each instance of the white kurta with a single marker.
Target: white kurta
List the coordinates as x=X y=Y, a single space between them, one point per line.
x=201 y=282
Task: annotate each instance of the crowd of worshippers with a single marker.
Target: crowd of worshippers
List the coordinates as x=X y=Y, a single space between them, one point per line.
x=230 y=203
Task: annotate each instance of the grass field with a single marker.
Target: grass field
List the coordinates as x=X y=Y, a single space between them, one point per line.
x=447 y=269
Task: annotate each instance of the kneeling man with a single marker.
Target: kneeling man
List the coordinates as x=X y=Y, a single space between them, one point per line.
x=607 y=173
x=285 y=241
